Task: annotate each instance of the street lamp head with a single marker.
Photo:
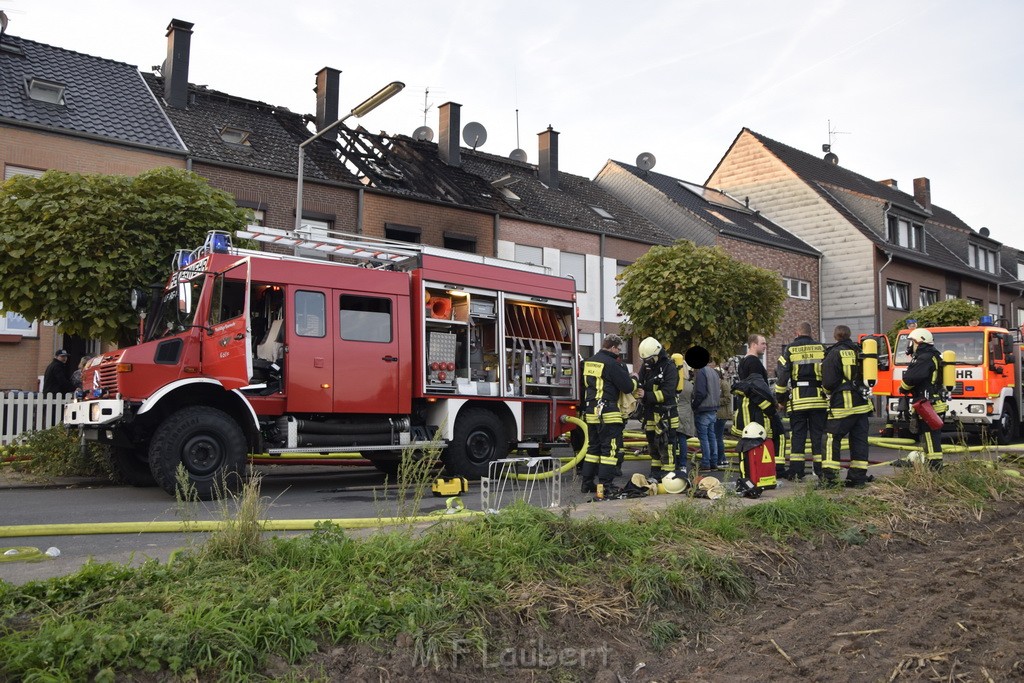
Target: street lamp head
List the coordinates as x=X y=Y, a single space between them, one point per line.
x=377 y=99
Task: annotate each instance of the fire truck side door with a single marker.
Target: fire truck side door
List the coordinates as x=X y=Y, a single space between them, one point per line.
x=309 y=351
x=226 y=343
x=372 y=353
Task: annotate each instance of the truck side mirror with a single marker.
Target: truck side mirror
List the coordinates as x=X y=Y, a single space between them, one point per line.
x=184 y=298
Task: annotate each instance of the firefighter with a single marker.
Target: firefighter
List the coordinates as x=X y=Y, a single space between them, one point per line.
x=798 y=388
x=604 y=379
x=658 y=378
x=756 y=400
x=848 y=411
x=923 y=381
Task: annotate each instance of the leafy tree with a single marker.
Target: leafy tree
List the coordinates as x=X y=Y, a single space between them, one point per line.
x=74 y=244
x=940 y=314
x=685 y=295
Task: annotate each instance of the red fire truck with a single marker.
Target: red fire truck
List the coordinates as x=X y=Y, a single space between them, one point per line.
x=987 y=395
x=385 y=347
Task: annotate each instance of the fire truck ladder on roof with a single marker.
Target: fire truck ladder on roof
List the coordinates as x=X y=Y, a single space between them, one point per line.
x=368 y=251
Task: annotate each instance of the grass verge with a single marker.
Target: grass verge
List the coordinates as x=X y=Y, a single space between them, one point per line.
x=226 y=609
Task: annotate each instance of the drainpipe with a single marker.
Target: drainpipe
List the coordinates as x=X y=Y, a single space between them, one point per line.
x=600 y=302
x=496 y=235
x=359 y=212
x=881 y=292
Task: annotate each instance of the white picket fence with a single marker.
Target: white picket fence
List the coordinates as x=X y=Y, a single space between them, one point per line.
x=23 y=411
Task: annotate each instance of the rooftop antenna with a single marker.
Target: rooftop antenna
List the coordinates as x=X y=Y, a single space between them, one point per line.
x=426 y=105
x=827 y=148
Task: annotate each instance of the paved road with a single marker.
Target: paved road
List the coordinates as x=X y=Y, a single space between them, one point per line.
x=303 y=493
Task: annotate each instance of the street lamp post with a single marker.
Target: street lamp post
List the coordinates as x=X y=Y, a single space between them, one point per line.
x=361 y=109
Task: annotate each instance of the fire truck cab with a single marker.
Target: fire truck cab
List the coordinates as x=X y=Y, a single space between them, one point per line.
x=389 y=346
x=987 y=395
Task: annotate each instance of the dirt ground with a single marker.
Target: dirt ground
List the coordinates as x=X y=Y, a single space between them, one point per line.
x=936 y=602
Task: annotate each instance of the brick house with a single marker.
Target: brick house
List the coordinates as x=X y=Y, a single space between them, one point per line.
x=885 y=252
x=397 y=187
x=710 y=217
x=69 y=111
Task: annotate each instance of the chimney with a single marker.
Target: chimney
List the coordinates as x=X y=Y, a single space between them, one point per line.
x=889 y=182
x=327 y=80
x=448 y=137
x=547 y=166
x=923 y=193
x=175 y=71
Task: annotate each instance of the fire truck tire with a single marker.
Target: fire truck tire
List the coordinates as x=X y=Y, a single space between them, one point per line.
x=1006 y=431
x=208 y=443
x=128 y=467
x=479 y=438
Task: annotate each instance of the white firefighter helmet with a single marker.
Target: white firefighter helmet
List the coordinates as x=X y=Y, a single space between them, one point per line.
x=921 y=336
x=754 y=431
x=649 y=348
x=673 y=483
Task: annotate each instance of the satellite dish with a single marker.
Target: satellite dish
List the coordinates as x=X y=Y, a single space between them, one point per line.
x=423 y=133
x=646 y=161
x=474 y=134
x=984 y=232
x=832 y=159
x=517 y=155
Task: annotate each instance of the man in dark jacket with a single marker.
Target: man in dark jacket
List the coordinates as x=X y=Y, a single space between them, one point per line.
x=707 y=390
x=57 y=379
x=659 y=380
x=848 y=411
x=604 y=379
x=923 y=381
x=798 y=387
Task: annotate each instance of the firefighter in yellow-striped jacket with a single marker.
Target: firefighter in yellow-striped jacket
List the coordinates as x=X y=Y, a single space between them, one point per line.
x=922 y=380
x=848 y=410
x=798 y=387
x=604 y=379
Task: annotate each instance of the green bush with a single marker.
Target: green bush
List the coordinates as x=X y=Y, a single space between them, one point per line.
x=56 y=452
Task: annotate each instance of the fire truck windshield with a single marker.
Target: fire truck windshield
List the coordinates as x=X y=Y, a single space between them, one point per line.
x=175 y=314
x=969 y=347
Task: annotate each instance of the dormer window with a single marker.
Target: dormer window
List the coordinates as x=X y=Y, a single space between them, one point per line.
x=45 y=91
x=983 y=259
x=905 y=233
x=234 y=136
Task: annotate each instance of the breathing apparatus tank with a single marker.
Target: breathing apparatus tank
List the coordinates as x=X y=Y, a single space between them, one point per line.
x=677 y=358
x=869 y=349
x=949 y=369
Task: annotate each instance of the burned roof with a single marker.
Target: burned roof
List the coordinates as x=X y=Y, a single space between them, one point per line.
x=100 y=97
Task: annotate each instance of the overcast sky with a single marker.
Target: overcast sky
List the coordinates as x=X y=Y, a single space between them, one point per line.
x=912 y=87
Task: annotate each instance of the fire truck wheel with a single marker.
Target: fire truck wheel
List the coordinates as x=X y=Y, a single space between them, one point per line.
x=479 y=437
x=210 y=446
x=128 y=467
x=1007 y=428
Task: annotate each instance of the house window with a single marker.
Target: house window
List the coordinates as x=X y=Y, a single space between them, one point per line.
x=11 y=171
x=13 y=323
x=313 y=230
x=928 y=296
x=997 y=311
x=235 y=136
x=460 y=242
x=981 y=258
x=574 y=266
x=42 y=90
x=897 y=295
x=528 y=254
x=602 y=213
x=258 y=217
x=904 y=233
x=402 y=233
x=976 y=302
x=587 y=344
x=797 y=289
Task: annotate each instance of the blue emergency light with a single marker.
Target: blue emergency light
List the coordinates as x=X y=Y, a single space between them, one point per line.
x=217 y=242
x=182 y=258
x=985 y=320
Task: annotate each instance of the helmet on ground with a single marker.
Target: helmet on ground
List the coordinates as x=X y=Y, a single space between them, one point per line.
x=754 y=431
x=921 y=336
x=673 y=483
x=649 y=348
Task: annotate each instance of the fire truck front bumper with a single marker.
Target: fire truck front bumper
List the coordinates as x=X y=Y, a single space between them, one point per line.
x=93 y=413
